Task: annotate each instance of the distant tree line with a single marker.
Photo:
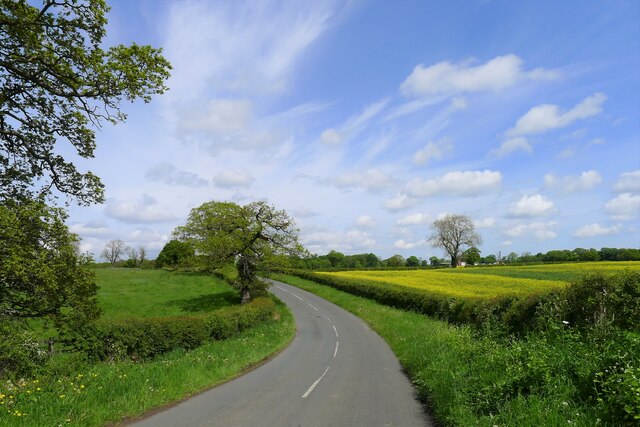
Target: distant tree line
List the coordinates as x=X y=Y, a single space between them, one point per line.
x=471 y=256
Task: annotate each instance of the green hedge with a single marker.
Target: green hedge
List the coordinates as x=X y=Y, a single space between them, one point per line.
x=595 y=298
x=145 y=338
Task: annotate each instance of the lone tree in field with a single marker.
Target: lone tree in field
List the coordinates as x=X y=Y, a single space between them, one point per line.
x=453 y=233
x=256 y=237
x=113 y=250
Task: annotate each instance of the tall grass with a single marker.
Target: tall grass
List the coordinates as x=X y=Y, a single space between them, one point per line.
x=474 y=377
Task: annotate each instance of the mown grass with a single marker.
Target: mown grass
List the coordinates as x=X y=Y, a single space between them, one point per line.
x=94 y=395
x=469 y=378
x=127 y=292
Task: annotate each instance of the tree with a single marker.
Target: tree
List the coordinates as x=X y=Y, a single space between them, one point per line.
x=490 y=259
x=174 y=253
x=452 y=233
x=113 y=250
x=142 y=253
x=396 y=261
x=335 y=258
x=134 y=256
x=57 y=84
x=434 y=261
x=256 y=236
x=472 y=255
x=413 y=261
x=43 y=280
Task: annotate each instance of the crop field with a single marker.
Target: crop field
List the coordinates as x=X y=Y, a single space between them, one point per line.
x=486 y=282
x=125 y=292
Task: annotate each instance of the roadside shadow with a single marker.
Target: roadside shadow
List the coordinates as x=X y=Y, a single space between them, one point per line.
x=206 y=302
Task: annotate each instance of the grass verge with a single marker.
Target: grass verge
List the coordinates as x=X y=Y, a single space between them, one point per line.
x=466 y=379
x=105 y=393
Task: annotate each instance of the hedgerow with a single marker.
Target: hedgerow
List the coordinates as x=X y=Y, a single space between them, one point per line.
x=146 y=338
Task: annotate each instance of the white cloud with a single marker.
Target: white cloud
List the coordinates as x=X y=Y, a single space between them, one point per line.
x=371 y=179
x=221 y=116
x=545 y=117
x=150 y=239
x=233 y=179
x=513 y=144
x=446 y=78
x=433 y=150
x=467 y=183
x=331 y=137
x=596 y=229
x=485 y=222
x=415 y=219
x=571 y=183
x=539 y=230
x=625 y=207
x=399 y=202
x=365 y=221
x=322 y=241
x=629 y=182
x=403 y=245
x=530 y=206
x=145 y=210
x=170 y=175
x=94 y=228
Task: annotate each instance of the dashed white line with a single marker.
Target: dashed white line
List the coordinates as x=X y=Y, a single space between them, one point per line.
x=313 y=306
x=335 y=352
x=282 y=289
x=335 y=330
x=297 y=296
x=315 y=383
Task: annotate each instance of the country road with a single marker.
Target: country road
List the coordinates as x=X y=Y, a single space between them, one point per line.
x=336 y=372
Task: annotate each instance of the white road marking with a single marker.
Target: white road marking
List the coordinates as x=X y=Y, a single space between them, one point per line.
x=335 y=330
x=335 y=352
x=282 y=289
x=297 y=296
x=312 y=306
x=315 y=383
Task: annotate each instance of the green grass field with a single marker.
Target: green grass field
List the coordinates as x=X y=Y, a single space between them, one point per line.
x=127 y=292
x=486 y=282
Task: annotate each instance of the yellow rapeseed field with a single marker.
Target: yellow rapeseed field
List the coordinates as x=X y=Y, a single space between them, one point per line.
x=487 y=282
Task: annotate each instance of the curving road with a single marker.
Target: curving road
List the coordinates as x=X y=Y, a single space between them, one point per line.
x=336 y=372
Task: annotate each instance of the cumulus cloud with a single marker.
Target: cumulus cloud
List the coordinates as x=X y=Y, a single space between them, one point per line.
x=628 y=182
x=150 y=239
x=433 y=150
x=512 y=145
x=596 y=229
x=371 y=179
x=233 y=179
x=168 y=174
x=530 y=206
x=625 y=207
x=415 y=219
x=539 y=230
x=93 y=228
x=573 y=183
x=545 y=117
x=365 y=221
x=467 y=183
x=403 y=245
x=446 y=78
x=322 y=241
x=144 y=210
x=399 y=202
x=485 y=222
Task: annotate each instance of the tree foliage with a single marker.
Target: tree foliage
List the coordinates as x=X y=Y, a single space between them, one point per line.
x=453 y=233
x=57 y=84
x=41 y=272
x=255 y=236
x=174 y=253
x=113 y=251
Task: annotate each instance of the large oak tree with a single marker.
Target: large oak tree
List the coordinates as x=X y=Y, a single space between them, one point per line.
x=453 y=233
x=256 y=237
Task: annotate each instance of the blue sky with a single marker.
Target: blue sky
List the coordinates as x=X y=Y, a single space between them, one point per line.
x=367 y=120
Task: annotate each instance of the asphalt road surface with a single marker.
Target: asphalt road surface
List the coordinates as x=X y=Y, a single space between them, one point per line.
x=336 y=372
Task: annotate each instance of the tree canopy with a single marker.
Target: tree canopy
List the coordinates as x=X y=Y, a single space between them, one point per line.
x=255 y=236
x=58 y=84
x=453 y=233
x=173 y=253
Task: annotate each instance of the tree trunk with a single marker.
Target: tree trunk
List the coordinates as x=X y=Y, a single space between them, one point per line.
x=246 y=294
x=454 y=261
x=246 y=277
